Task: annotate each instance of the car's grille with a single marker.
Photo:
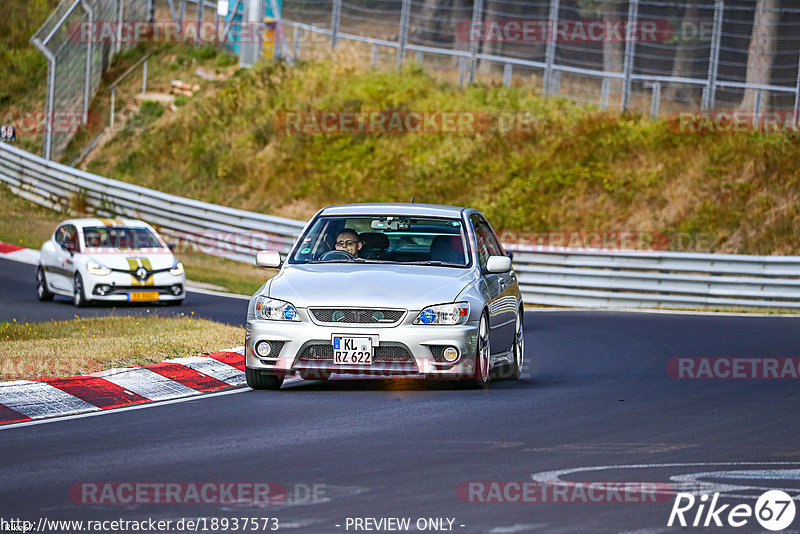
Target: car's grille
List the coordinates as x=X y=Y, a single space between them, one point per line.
x=357 y=315
x=381 y=354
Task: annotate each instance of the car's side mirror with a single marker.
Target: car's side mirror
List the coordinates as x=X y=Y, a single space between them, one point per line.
x=69 y=246
x=498 y=264
x=270 y=259
x=171 y=247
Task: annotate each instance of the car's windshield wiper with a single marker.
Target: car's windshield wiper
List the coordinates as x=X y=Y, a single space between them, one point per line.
x=435 y=262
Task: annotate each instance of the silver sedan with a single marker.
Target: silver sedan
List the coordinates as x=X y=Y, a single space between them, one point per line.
x=385 y=290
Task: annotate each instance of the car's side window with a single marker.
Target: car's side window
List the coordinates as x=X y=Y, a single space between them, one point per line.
x=67 y=234
x=487 y=243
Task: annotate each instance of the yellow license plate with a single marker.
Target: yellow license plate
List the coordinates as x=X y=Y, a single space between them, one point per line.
x=143 y=296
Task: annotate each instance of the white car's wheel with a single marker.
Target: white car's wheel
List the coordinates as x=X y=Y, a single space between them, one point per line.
x=78 y=295
x=42 y=293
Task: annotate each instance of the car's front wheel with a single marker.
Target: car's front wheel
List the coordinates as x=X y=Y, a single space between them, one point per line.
x=78 y=295
x=42 y=293
x=482 y=375
x=513 y=370
x=259 y=380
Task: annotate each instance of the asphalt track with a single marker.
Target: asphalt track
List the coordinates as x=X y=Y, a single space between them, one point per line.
x=18 y=301
x=595 y=394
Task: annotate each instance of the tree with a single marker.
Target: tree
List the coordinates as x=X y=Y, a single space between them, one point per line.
x=761 y=53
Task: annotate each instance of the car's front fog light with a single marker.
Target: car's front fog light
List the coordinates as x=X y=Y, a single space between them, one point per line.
x=450 y=354
x=263 y=348
x=176 y=289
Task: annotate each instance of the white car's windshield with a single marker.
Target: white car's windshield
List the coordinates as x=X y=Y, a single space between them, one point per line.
x=119 y=237
x=389 y=239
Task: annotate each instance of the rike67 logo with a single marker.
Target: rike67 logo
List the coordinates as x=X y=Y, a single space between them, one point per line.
x=774 y=510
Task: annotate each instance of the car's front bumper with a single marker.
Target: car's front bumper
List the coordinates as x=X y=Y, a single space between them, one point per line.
x=122 y=287
x=397 y=350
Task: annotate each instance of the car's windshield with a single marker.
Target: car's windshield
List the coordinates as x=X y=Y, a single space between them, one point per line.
x=119 y=237
x=385 y=239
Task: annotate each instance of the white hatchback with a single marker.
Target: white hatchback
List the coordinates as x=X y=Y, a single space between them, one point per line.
x=117 y=260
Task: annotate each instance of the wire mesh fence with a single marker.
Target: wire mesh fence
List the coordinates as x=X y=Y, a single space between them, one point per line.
x=649 y=56
x=77 y=55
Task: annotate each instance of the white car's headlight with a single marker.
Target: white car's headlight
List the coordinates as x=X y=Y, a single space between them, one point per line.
x=95 y=268
x=446 y=314
x=177 y=269
x=275 y=310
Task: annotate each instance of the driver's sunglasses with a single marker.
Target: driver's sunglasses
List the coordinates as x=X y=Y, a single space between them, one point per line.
x=346 y=243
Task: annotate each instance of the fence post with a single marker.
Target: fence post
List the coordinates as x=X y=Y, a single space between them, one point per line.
x=797 y=94
x=605 y=93
x=477 y=18
x=113 y=106
x=336 y=15
x=375 y=52
x=296 y=44
x=87 y=84
x=507 y=73
x=709 y=96
x=120 y=20
x=144 y=77
x=550 y=48
x=405 y=14
x=655 y=103
x=462 y=68
x=51 y=90
x=201 y=4
x=757 y=105
x=418 y=57
x=631 y=34
x=181 y=12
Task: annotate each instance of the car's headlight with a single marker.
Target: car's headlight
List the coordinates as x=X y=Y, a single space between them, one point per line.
x=448 y=314
x=95 y=268
x=177 y=269
x=275 y=310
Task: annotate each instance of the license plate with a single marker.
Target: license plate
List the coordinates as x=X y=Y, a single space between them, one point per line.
x=352 y=350
x=142 y=296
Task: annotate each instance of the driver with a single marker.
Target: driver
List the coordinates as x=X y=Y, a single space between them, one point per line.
x=348 y=241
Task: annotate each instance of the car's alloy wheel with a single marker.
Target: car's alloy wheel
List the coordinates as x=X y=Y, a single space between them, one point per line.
x=259 y=380
x=42 y=293
x=78 y=298
x=482 y=356
x=519 y=349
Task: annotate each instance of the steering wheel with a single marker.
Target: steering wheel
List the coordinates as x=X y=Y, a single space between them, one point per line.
x=336 y=255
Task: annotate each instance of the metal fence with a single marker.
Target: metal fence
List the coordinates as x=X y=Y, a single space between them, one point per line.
x=75 y=64
x=549 y=276
x=651 y=56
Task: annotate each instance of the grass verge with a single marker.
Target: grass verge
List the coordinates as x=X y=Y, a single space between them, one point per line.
x=88 y=345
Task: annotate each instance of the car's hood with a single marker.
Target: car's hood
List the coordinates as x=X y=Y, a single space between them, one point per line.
x=369 y=285
x=127 y=260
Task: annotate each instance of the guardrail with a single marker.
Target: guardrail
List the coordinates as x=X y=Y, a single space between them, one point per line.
x=234 y=233
x=547 y=275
